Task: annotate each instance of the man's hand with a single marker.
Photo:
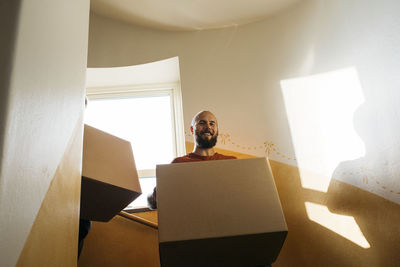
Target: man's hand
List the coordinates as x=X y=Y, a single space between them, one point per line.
x=152 y=199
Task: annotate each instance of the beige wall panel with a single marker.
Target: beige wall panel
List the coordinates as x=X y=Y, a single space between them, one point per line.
x=53 y=240
x=310 y=243
x=121 y=242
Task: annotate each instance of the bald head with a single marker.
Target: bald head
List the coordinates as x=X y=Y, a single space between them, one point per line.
x=202 y=114
x=205 y=129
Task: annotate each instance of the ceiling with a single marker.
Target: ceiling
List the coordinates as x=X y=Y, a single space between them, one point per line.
x=188 y=14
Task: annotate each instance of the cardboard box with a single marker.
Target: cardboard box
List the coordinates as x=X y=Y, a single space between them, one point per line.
x=109 y=177
x=219 y=213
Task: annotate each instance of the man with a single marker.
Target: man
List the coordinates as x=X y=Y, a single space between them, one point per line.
x=204 y=129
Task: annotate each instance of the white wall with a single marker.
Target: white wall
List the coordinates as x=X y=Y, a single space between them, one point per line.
x=42 y=107
x=250 y=77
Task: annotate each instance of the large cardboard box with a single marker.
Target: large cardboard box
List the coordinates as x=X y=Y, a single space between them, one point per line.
x=219 y=213
x=109 y=177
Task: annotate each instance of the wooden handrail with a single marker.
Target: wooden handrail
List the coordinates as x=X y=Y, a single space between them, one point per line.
x=138 y=219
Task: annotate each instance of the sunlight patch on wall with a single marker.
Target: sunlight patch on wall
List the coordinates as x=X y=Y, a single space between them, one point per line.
x=320 y=112
x=345 y=226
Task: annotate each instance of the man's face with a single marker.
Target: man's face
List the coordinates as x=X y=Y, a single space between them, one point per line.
x=205 y=130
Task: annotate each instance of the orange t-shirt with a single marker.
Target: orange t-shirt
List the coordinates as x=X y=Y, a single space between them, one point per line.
x=191 y=157
x=194 y=157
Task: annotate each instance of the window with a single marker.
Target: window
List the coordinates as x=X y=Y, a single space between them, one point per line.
x=150 y=117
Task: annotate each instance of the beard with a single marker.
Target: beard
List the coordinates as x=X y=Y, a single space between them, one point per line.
x=204 y=142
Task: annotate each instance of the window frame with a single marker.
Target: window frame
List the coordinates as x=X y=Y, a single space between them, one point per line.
x=158 y=89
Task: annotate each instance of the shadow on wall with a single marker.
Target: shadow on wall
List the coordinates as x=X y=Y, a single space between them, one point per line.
x=340 y=176
x=376 y=172
x=8 y=29
x=311 y=243
x=345 y=130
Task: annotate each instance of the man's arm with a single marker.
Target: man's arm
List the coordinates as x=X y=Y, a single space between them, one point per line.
x=152 y=198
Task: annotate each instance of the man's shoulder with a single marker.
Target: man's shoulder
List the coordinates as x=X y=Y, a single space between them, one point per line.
x=186 y=158
x=191 y=157
x=221 y=156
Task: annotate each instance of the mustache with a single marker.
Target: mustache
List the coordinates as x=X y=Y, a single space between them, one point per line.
x=207 y=131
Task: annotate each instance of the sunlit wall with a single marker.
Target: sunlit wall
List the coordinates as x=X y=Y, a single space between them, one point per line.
x=320 y=110
x=315 y=88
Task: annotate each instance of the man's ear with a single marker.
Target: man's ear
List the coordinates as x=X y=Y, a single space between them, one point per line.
x=191 y=129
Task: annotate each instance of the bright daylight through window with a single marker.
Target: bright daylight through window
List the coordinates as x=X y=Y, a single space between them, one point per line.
x=141 y=104
x=147 y=121
x=144 y=121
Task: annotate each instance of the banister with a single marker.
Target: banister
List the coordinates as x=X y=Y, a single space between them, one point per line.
x=138 y=219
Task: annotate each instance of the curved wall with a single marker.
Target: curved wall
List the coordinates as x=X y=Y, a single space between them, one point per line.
x=45 y=53
x=241 y=74
x=315 y=87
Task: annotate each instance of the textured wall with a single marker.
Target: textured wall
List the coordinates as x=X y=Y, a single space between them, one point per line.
x=41 y=128
x=314 y=87
x=335 y=60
